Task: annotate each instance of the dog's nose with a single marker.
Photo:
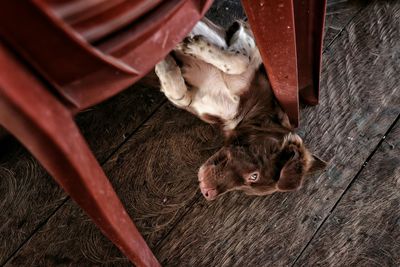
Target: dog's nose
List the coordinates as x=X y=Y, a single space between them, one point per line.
x=209 y=193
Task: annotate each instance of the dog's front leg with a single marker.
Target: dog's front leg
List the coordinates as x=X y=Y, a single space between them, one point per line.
x=172 y=82
x=228 y=61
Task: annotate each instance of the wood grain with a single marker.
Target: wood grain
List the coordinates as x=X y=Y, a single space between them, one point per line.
x=155 y=174
x=338 y=14
x=107 y=126
x=359 y=100
x=28 y=195
x=364 y=229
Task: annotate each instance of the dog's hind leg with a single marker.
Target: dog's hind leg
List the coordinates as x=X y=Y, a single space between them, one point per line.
x=172 y=82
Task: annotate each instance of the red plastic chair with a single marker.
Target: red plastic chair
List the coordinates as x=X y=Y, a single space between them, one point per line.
x=87 y=51
x=289 y=34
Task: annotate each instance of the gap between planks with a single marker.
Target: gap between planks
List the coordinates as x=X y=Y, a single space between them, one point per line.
x=347 y=188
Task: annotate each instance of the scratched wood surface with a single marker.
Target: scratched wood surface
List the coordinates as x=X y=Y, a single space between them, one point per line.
x=364 y=228
x=28 y=195
x=156 y=177
x=338 y=14
x=359 y=102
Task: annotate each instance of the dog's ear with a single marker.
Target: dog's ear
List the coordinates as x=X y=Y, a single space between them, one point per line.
x=296 y=162
x=293 y=158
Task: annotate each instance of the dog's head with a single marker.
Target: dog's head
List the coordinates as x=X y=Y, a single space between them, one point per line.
x=260 y=166
x=261 y=155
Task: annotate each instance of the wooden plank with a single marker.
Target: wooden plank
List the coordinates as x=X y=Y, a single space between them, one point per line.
x=364 y=230
x=360 y=99
x=108 y=125
x=156 y=177
x=28 y=196
x=338 y=14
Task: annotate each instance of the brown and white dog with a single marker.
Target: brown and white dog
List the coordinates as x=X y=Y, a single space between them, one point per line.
x=218 y=76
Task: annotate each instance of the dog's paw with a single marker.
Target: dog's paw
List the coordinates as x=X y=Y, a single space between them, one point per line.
x=194 y=45
x=166 y=65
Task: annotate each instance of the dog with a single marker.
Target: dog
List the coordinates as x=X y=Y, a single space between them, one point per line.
x=218 y=76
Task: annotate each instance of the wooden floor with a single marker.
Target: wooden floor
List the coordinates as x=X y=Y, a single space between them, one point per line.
x=347 y=216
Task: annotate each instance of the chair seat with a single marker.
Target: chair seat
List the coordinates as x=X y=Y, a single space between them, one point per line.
x=95 y=19
x=52 y=37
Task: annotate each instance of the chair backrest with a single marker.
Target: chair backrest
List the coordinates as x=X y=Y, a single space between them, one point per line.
x=90 y=50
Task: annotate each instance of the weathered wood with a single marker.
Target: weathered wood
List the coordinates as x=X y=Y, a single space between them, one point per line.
x=364 y=230
x=154 y=173
x=108 y=125
x=28 y=196
x=359 y=101
x=338 y=14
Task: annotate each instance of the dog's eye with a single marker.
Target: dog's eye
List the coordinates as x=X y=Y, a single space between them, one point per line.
x=253 y=177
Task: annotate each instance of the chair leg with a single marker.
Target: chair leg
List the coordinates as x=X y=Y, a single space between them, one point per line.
x=272 y=23
x=309 y=20
x=47 y=129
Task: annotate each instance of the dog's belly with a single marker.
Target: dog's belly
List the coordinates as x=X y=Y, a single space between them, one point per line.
x=216 y=106
x=211 y=94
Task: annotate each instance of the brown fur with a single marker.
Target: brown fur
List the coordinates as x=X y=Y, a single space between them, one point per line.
x=263 y=142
